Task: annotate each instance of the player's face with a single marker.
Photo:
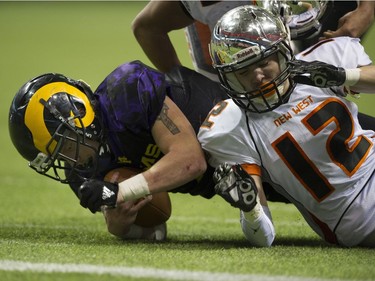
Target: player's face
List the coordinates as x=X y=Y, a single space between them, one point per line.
x=82 y=155
x=261 y=73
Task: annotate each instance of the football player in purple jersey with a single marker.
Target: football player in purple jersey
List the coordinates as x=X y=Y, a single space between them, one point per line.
x=137 y=117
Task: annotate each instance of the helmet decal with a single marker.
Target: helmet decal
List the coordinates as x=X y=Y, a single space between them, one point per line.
x=51 y=119
x=34 y=115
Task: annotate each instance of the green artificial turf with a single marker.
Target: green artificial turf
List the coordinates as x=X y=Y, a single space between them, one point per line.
x=41 y=221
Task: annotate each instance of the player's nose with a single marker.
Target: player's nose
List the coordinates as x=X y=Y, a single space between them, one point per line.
x=257 y=78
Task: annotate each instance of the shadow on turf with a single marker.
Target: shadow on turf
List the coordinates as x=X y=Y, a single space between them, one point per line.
x=90 y=237
x=229 y=244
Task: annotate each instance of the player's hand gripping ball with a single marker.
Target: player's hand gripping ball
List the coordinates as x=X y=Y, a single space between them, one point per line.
x=156 y=212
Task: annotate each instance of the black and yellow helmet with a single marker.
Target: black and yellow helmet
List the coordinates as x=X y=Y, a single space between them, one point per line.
x=45 y=112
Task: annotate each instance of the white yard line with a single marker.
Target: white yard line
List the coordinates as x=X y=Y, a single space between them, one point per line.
x=142 y=272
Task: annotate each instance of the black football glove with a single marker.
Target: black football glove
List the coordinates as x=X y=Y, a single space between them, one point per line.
x=95 y=193
x=236 y=186
x=316 y=73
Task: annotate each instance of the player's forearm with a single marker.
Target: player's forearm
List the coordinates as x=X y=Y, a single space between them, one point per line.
x=151 y=28
x=260 y=231
x=366 y=7
x=175 y=169
x=257 y=224
x=366 y=82
x=171 y=171
x=364 y=18
x=159 y=49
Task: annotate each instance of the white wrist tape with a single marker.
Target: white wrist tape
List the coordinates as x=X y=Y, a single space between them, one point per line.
x=352 y=76
x=255 y=213
x=134 y=188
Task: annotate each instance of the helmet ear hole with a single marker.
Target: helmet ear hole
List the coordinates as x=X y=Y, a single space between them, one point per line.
x=282 y=11
x=81 y=110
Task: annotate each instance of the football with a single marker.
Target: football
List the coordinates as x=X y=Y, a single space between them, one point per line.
x=156 y=212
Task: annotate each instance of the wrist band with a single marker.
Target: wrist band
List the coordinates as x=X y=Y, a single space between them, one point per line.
x=134 y=188
x=255 y=213
x=352 y=76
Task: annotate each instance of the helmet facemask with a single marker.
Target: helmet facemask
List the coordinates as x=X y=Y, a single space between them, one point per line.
x=265 y=97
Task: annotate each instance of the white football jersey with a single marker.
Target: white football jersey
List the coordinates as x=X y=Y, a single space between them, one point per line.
x=312 y=149
x=209 y=12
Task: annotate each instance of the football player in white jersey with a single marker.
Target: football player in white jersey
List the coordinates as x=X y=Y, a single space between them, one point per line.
x=151 y=29
x=289 y=123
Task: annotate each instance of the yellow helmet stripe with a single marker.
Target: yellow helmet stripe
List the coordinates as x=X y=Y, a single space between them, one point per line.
x=34 y=112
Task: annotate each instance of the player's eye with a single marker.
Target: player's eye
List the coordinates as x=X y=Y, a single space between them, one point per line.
x=243 y=72
x=263 y=63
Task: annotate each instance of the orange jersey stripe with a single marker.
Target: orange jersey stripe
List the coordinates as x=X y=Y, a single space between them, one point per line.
x=252 y=169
